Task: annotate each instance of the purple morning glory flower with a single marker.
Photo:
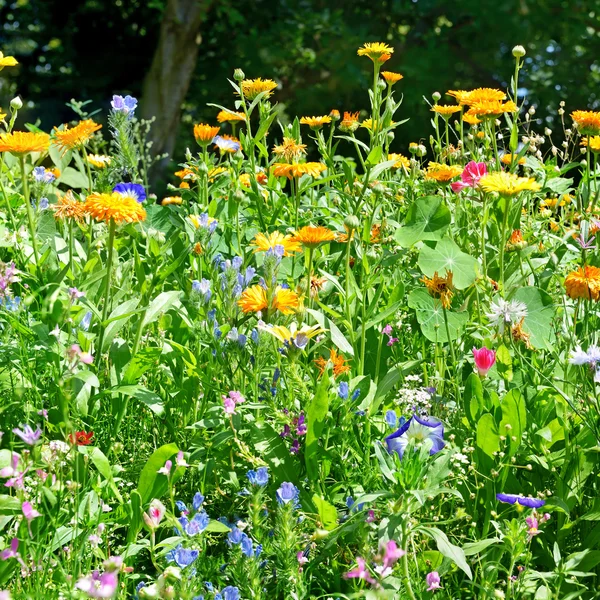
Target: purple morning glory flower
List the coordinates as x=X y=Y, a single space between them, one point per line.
x=125 y=105
x=133 y=190
x=520 y=499
x=288 y=492
x=28 y=435
x=416 y=430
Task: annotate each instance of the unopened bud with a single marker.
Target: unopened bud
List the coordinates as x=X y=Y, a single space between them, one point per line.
x=436 y=96
x=352 y=222
x=518 y=52
x=238 y=75
x=16 y=103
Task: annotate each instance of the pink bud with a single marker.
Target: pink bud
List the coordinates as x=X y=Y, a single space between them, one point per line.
x=29 y=512
x=484 y=360
x=458 y=186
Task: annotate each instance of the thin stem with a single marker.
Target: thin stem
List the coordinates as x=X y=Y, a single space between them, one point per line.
x=503 y=242
x=109 y=261
x=30 y=218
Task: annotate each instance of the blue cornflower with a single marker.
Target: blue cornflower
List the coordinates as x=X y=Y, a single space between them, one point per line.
x=288 y=492
x=125 y=105
x=259 y=477
x=131 y=190
x=343 y=390
x=230 y=593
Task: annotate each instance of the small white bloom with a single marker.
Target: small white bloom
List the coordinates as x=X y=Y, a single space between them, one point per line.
x=502 y=312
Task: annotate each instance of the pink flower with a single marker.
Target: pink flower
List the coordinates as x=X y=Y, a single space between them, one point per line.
x=392 y=554
x=433 y=581
x=10 y=552
x=361 y=572
x=387 y=329
x=470 y=176
x=370 y=516
x=392 y=341
x=75 y=352
x=302 y=560
x=155 y=514
x=532 y=524
x=12 y=470
x=228 y=405
x=237 y=397
x=166 y=470
x=29 y=512
x=99 y=586
x=484 y=360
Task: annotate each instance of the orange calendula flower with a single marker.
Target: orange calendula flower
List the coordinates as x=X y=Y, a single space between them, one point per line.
x=471 y=119
x=594 y=143
x=264 y=242
x=20 y=143
x=350 y=122
x=584 y=283
x=290 y=149
x=68 y=207
x=68 y=138
x=311 y=236
x=338 y=363
x=377 y=51
x=253 y=87
x=114 y=207
x=171 y=200
x=186 y=174
x=316 y=285
x=315 y=122
x=245 y=179
x=516 y=241
x=508 y=184
x=507 y=159
x=492 y=109
x=478 y=95
x=442 y=173
x=254 y=299
x=230 y=116
x=445 y=110
x=401 y=161
x=286 y=301
x=391 y=77
x=587 y=121
x=7 y=61
x=204 y=133
x=440 y=287
x=100 y=161
x=184 y=185
x=314 y=169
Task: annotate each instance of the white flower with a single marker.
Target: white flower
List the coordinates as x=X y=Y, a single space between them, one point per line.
x=502 y=312
x=580 y=357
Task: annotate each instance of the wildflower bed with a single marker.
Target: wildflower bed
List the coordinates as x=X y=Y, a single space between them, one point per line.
x=318 y=368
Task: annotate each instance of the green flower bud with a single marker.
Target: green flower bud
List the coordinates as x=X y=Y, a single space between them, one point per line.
x=16 y=103
x=436 y=96
x=518 y=52
x=239 y=75
x=352 y=222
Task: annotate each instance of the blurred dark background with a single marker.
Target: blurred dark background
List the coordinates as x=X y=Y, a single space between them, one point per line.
x=176 y=55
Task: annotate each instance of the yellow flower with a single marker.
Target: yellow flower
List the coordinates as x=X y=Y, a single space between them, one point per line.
x=368 y=124
x=587 y=121
x=446 y=110
x=442 y=173
x=254 y=299
x=377 y=51
x=334 y=113
x=75 y=137
x=7 y=61
x=196 y=221
x=290 y=149
x=461 y=96
x=594 y=143
x=215 y=172
x=477 y=95
x=99 y=160
x=114 y=207
x=350 y=122
x=171 y=200
x=440 y=287
x=508 y=184
x=584 y=283
x=205 y=134
x=245 y=180
x=285 y=301
x=338 y=363
x=24 y=142
x=471 y=119
x=298 y=337
x=311 y=236
x=313 y=169
x=226 y=116
x=2 y=115
x=253 y=87
x=491 y=109
x=392 y=77
x=508 y=158
x=68 y=207
x=186 y=174
x=264 y=242
x=401 y=160
x=315 y=122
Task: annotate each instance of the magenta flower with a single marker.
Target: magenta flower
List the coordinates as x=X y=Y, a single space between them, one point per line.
x=302 y=560
x=433 y=581
x=484 y=360
x=12 y=470
x=470 y=176
x=28 y=435
x=392 y=341
x=99 y=586
x=387 y=329
x=392 y=554
x=11 y=551
x=228 y=405
x=166 y=470
x=29 y=512
x=361 y=572
x=180 y=460
x=532 y=527
x=155 y=514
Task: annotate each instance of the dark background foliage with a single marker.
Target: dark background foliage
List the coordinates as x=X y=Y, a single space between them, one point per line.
x=90 y=49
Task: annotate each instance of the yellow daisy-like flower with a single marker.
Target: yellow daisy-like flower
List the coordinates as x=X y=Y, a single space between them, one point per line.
x=508 y=184
x=290 y=149
x=314 y=169
x=229 y=116
x=461 y=96
x=75 y=137
x=471 y=119
x=587 y=121
x=446 y=110
x=377 y=51
x=584 y=283
x=7 y=61
x=204 y=133
x=245 y=180
x=20 y=143
x=215 y=172
x=442 y=173
x=477 y=95
x=401 y=160
x=594 y=143
x=196 y=221
x=99 y=160
x=286 y=301
x=440 y=287
x=368 y=124
x=292 y=336
x=253 y=87
x=254 y=299
x=186 y=174
x=311 y=236
x=508 y=158
x=114 y=207
x=264 y=242
x=68 y=207
x=492 y=109
x=171 y=200
x=315 y=122
x=391 y=77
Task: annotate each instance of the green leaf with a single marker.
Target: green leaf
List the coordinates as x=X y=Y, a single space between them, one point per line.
x=316 y=414
x=117 y=320
x=159 y=305
x=427 y=219
x=151 y=484
x=83 y=383
x=473 y=403
x=143 y=361
x=152 y=400
x=337 y=337
x=73 y=178
x=504 y=363
x=327 y=513
x=272 y=449
x=514 y=419
x=447 y=256
x=449 y=550
x=215 y=526
x=430 y=315
x=540 y=314
x=487 y=437
x=135 y=522
x=101 y=463
x=9 y=505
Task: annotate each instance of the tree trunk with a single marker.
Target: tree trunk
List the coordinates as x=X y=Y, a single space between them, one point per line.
x=167 y=82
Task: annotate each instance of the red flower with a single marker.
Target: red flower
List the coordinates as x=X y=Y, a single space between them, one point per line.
x=81 y=438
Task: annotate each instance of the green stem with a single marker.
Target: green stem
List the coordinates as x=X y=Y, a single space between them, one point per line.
x=71 y=247
x=405 y=570
x=30 y=218
x=503 y=242
x=109 y=261
x=452 y=353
